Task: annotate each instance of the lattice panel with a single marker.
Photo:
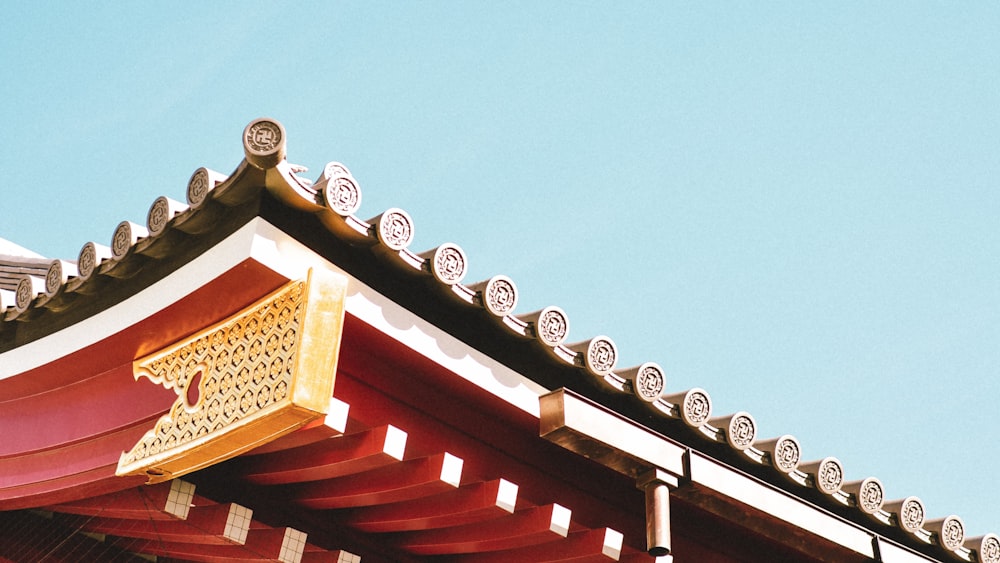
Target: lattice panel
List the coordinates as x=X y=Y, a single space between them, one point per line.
x=244 y=381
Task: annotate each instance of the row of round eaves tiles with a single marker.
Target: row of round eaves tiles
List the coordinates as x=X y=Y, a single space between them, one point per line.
x=336 y=196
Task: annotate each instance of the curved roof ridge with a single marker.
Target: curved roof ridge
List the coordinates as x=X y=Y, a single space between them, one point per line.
x=335 y=197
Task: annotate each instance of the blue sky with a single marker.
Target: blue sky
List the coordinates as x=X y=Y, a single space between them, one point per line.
x=791 y=205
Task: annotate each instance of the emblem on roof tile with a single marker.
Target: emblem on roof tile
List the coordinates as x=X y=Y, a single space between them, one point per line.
x=911 y=514
x=448 y=263
x=90 y=258
x=24 y=293
x=160 y=213
x=394 y=229
x=499 y=295
x=830 y=476
x=951 y=533
x=54 y=277
x=989 y=549
x=600 y=355
x=696 y=408
x=741 y=430
x=264 y=142
x=648 y=382
x=198 y=187
x=870 y=495
x=787 y=454
x=126 y=234
x=342 y=195
x=552 y=326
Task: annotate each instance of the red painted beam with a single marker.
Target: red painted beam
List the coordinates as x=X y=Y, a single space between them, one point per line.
x=532 y=526
x=346 y=455
x=170 y=500
x=602 y=545
x=405 y=480
x=273 y=544
x=475 y=502
x=219 y=524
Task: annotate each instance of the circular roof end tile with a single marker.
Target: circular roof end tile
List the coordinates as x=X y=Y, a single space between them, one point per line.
x=497 y=294
x=987 y=548
x=785 y=453
x=342 y=195
x=910 y=513
x=647 y=381
x=264 y=143
x=694 y=406
x=447 y=263
x=869 y=494
x=394 y=228
x=827 y=474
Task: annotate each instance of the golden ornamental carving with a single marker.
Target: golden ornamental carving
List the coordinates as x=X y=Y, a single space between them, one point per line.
x=245 y=381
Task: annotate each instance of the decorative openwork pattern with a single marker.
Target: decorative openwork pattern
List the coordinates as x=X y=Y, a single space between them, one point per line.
x=649 y=382
x=449 y=264
x=911 y=514
x=871 y=496
x=500 y=295
x=237 y=382
x=395 y=229
x=829 y=476
x=696 y=408
x=601 y=355
x=742 y=431
x=552 y=326
x=787 y=454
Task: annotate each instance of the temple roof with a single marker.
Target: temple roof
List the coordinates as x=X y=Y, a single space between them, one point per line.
x=323 y=214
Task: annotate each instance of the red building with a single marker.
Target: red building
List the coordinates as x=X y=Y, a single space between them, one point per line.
x=260 y=375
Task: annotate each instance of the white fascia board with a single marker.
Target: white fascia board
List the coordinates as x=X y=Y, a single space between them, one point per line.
x=288 y=257
x=172 y=288
x=281 y=253
x=710 y=474
x=892 y=553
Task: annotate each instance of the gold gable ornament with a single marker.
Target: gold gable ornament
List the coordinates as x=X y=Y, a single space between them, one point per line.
x=254 y=377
